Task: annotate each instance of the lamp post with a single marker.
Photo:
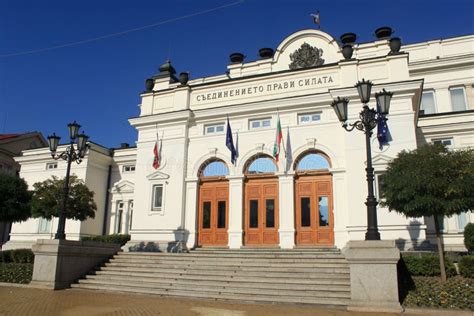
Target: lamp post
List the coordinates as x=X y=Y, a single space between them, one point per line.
x=368 y=119
x=72 y=153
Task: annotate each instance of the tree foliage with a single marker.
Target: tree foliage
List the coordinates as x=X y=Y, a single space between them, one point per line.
x=430 y=181
x=14 y=199
x=48 y=197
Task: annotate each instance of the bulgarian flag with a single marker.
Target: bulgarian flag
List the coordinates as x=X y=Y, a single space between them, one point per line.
x=278 y=137
x=157 y=153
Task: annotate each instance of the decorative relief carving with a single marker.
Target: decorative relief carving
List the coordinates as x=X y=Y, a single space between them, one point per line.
x=306 y=56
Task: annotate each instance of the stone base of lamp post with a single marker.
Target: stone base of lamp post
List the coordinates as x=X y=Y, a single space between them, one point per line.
x=58 y=263
x=374 y=278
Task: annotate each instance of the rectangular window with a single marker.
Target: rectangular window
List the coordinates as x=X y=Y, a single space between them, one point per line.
x=447 y=142
x=130 y=212
x=323 y=211
x=214 y=128
x=462 y=220
x=428 y=102
x=379 y=178
x=118 y=217
x=44 y=225
x=157 y=197
x=253 y=214
x=51 y=165
x=270 y=213
x=260 y=123
x=128 y=168
x=221 y=214
x=305 y=212
x=458 y=99
x=206 y=215
x=309 y=118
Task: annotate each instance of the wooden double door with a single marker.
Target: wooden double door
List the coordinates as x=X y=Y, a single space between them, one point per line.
x=261 y=214
x=314 y=210
x=213 y=217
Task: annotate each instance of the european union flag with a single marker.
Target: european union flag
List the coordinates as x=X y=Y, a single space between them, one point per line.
x=383 y=134
x=229 y=142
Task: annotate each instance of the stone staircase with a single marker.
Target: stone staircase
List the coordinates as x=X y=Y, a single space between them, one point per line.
x=303 y=276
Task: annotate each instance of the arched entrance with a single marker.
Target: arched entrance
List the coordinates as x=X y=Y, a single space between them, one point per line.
x=314 y=218
x=261 y=214
x=213 y=213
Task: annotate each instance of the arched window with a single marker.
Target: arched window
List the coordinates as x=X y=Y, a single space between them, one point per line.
x=313 y=161
x=214 y=168
x=261 y=164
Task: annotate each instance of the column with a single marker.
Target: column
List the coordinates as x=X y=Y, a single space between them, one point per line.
x=287 y=210
x=190 y=212
x=341 y=214
x=236 y=193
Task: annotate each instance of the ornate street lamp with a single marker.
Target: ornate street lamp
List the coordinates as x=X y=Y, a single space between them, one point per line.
x=72 y=153
x=368 y=119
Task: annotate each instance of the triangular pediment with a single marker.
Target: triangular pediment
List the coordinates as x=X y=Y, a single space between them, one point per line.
x=158 y=175
x=123 y=186
x=381 y=160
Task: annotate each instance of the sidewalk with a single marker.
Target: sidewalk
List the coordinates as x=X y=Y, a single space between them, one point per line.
x=19 y=301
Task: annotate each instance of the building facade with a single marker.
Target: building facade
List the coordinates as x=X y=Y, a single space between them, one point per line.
x=314 y=193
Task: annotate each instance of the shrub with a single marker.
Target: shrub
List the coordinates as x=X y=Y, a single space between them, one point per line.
x=469 y=237
x=455 y=293
x=6 y=256
x=22 y=256
x=427 y=265
x=16 y=272
x=111 y=239
x=17 y=256
x=466 y=266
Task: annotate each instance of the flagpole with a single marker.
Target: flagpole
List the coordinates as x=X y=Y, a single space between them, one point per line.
x=283 y=143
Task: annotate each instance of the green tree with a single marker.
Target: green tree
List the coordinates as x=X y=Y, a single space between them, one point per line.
x=14 y=199
x=430 y=181
x=48 y=196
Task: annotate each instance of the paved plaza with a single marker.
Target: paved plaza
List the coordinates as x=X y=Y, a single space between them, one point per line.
x=20 y=301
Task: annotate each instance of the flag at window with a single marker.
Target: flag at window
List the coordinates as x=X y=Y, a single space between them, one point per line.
x=157 y=152
x=383 y=134
x=229 y=142
x=278 y=137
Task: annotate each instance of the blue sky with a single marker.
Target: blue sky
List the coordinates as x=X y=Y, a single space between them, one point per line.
x=98 y=83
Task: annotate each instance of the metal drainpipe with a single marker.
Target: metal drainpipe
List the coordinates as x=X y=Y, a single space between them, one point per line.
x=106 y=206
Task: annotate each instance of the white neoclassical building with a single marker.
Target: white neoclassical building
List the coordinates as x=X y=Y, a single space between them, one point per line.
x=314 y=194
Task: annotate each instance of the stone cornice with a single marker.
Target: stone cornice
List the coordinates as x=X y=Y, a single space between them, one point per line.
x=175 y=116
x=400 y=87
x=441 y=64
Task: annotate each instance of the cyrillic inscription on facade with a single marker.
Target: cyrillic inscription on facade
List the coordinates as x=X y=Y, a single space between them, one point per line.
x=260 y=89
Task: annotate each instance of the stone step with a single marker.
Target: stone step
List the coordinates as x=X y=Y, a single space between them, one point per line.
x=323 y=279
x=223 y=283
x=330 y=273
x=144 y=259
x=266 y=249
x=218 y=296
x=290 y=254
x=270 y=264
x=298 y=292
x=169 y=256
x=250 y=268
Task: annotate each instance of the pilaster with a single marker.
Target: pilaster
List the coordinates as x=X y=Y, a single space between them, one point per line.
x=287 y=210
x=190 y=211
x=236 y=193
x=348 y=72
